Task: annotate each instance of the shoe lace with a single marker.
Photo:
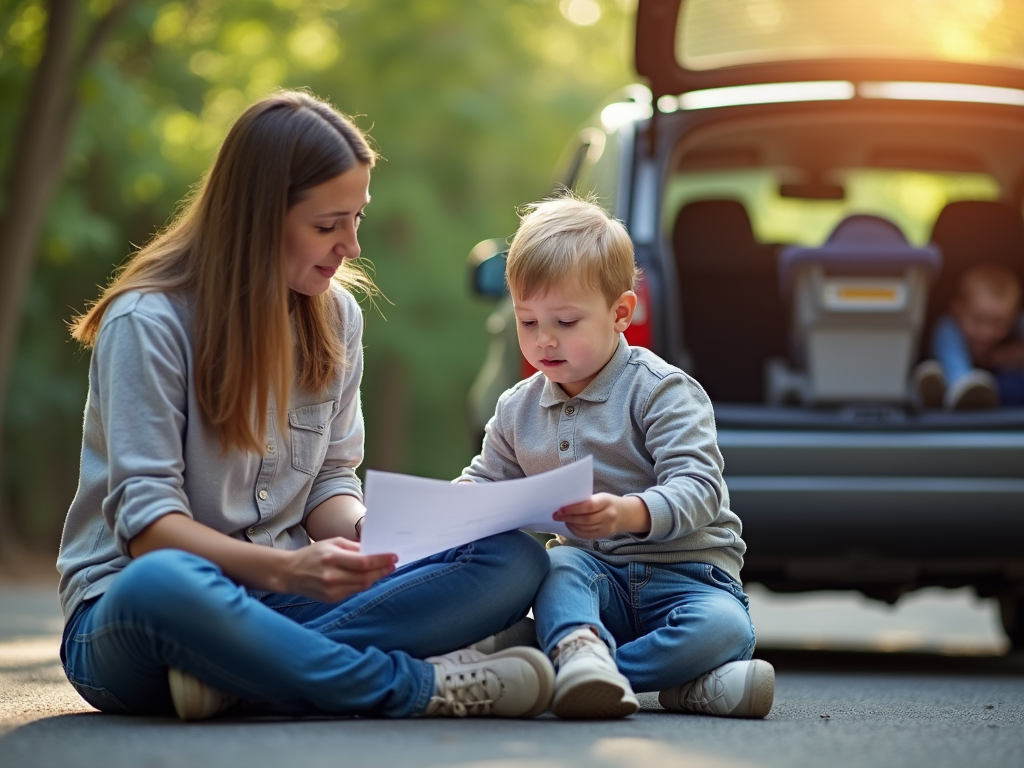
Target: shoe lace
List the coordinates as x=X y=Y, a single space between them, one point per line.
x=702 y=694
x=465 y=694
x=574 y=647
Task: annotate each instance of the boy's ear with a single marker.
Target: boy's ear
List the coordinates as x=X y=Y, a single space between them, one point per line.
x=624 y=306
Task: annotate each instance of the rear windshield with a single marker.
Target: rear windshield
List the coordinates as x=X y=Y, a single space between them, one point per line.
x=911 y=199
x=722 y=33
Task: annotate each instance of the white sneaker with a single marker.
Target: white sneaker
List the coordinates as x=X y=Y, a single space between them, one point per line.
x=736 y=689
x=975 y=390
x=516 y=682
x=929 y=384
x=523 y=632
x=588 y=685
x=195 y=700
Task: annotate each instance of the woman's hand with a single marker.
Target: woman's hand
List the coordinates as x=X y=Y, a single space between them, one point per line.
x=332 y=569
x=603 y=515
x=328 y=570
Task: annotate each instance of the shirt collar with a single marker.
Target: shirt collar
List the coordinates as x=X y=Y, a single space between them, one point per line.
x=599 y=389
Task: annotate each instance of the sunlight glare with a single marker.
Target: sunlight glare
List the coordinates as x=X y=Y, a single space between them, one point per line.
x=582 y=13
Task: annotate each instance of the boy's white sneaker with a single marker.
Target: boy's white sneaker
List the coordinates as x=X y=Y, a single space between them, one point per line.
x=516 y=682
x=929 y=384
x=195 y=700
x=523 y=632
x=975 y=390
x=736 y=689
x=588 y=684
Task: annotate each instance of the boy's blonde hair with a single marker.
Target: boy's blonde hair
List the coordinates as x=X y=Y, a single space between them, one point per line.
x=992 y=281
x=570 y=238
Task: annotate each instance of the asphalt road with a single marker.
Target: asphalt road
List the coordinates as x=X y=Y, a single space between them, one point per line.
x=919 y=685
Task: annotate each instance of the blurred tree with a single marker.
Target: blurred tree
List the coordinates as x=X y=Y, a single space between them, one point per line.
x=36 y=163
x=470 y=102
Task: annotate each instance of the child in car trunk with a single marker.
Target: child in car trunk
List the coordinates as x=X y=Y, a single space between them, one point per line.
x=978 y=345
x=645 y=595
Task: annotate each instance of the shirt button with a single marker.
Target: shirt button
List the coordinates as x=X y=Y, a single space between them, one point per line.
x=271 y=448
x=320 y=428
x=570 y=409
x=564 y=445
x=263 y=494
x=250 y=531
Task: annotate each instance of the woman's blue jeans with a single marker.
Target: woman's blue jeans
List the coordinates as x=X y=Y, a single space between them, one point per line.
x=287 y=654
x=665 y=623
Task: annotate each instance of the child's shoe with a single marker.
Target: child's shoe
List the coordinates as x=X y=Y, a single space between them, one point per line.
x=973 y=391
x=588 y=684
x=929 y=384
x=736 y=689
x=195 y=700
x=516 y=682
x=523 y=632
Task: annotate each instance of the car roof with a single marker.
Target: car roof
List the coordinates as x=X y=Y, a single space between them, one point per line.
x=995 y=60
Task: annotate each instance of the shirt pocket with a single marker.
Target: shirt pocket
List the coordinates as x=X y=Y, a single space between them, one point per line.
x=310 y=426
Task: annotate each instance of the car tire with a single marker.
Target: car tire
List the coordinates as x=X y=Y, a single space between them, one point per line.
x=1011 y=609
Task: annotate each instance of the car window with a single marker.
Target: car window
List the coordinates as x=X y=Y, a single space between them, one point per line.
x=721 y=33
x=911 y=199
x=597 y=170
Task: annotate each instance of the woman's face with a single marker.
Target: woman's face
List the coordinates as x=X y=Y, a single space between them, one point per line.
x=320 y=230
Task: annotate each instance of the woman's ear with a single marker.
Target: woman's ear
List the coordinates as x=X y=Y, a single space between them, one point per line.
x=624 y=307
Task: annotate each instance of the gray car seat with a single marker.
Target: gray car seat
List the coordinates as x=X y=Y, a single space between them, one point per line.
x=733 y=318
x=858 y=311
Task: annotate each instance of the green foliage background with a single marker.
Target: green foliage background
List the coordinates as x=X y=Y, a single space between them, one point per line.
x=471 y=102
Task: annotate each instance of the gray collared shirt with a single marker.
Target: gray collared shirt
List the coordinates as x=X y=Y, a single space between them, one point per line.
x=651 y=431
x=147 y=451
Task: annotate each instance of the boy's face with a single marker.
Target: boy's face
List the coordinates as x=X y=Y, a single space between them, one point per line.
x=569 y=332
x=984 y=321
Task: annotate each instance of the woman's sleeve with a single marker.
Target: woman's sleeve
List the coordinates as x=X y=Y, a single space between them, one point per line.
x=139 y=380
x=337 y=475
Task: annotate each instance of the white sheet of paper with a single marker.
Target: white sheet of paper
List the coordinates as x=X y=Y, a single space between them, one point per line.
x=415 y=517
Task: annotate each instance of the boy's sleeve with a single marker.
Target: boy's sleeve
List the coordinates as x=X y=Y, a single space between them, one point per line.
x=497 y=458
x=680 y=435
x=337 y=475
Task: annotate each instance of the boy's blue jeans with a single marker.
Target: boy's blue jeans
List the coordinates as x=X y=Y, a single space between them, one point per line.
x=950 y=348
x=289 y=654
x=664 y=623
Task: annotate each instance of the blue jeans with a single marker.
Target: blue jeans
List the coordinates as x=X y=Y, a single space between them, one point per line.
x=288 y=654
x=950 y=348
x=665 y=623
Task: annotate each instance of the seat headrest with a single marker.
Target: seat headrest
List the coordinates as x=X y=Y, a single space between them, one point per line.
x=714 y=234
x=973 y=231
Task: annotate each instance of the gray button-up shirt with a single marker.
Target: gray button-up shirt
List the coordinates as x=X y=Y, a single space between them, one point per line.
x=651 y=431
x=147 y=451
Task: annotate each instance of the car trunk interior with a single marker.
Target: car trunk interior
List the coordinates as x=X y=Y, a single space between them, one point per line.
x=967 y=162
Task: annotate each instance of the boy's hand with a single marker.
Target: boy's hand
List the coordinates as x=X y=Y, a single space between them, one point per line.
x=603 y=515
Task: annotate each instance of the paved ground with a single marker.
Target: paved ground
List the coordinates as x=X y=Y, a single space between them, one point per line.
x=833 y=707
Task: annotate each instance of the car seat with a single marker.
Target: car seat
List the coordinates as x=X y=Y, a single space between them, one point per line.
x=733 y=319
x=971 y=232
x=858 y=311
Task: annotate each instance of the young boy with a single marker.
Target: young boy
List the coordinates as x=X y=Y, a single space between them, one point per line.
x=646 y=594
x=978 y=346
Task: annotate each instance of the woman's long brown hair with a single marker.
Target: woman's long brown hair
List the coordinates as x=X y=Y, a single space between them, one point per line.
x=225 y=249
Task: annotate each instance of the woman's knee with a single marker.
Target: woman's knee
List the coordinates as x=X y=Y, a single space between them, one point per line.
x=165 y=578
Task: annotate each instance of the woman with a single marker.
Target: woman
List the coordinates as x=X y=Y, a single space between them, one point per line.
x=222 y=432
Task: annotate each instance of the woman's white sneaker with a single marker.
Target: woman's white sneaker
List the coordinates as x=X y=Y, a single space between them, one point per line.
x=588 y=684
x=736 y=689
x=195 y=700
x=516 y=682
